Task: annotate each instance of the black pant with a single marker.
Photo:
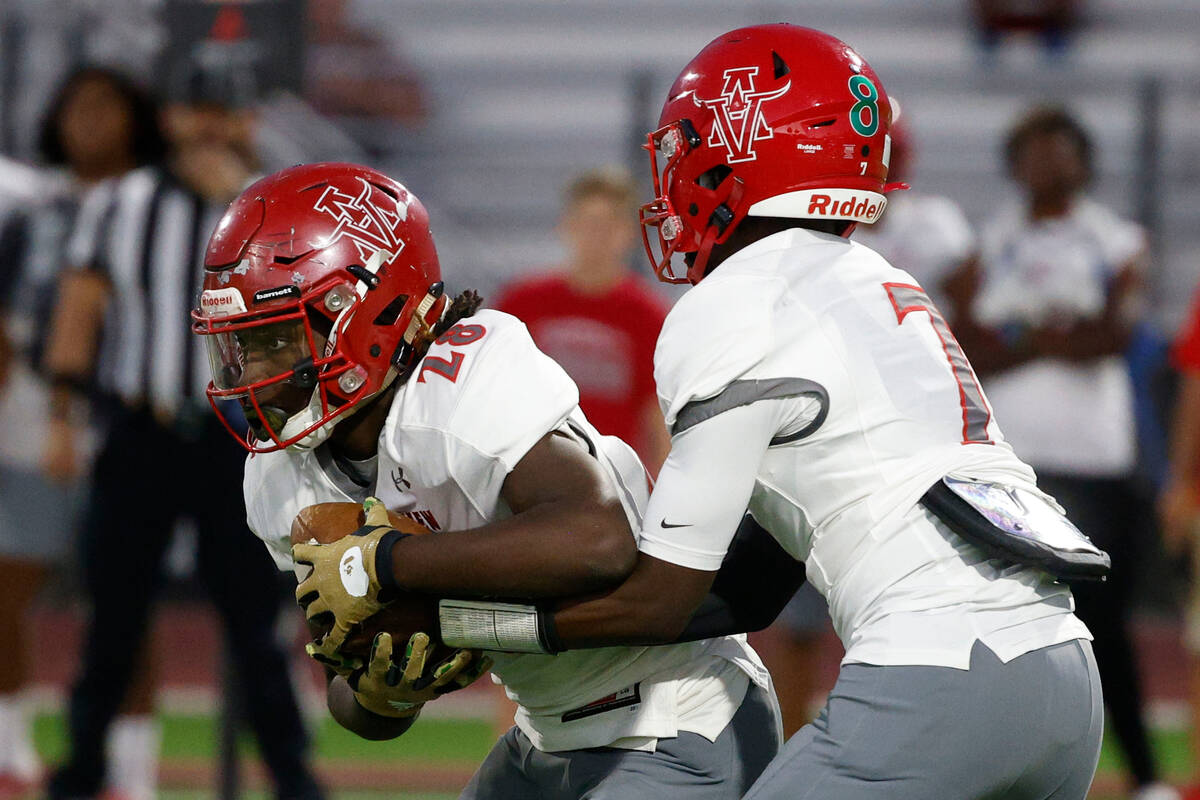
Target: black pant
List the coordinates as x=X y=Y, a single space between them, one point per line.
x=1119 y=520
x=146 y=476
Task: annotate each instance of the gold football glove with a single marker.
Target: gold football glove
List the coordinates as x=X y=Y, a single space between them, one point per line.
x=399 y=690
x=343 y=581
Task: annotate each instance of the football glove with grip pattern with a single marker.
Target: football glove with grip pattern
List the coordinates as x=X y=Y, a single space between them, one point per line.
x=344 y=580
x=392 y=689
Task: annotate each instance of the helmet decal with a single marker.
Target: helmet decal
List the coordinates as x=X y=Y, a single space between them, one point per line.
x=867 y=97
x=371 y=220
x=739 y=121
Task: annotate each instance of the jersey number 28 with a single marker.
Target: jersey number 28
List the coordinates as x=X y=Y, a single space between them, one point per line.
x=448 y=368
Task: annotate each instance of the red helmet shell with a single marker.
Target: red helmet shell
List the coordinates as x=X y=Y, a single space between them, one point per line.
x=772 y=121
x=338 y=241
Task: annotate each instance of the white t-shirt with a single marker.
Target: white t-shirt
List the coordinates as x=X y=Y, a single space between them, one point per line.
x=925 y=235
x=869 y=405
x=456 y=429
x=1066 y=417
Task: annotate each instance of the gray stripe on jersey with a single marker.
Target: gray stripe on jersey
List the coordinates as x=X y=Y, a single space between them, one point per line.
x=743 y=393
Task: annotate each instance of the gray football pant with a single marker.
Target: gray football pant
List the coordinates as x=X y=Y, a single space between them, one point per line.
x=686 y=767
x=1026 y=730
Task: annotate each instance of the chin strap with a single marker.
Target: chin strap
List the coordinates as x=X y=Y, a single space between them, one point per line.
x=716 y=230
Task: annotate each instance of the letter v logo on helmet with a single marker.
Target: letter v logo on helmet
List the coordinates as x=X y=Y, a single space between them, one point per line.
x=739 y=121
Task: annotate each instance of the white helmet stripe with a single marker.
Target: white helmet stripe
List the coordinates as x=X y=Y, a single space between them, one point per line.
x=847 y=204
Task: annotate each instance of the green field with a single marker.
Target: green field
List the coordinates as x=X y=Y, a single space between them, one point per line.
x=437 y=744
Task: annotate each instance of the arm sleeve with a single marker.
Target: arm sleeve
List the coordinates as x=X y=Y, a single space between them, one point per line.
x=756 y=580
x=705 y=485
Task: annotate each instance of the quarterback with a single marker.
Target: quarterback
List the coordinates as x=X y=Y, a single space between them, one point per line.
x=327 y=321
x=806 y=379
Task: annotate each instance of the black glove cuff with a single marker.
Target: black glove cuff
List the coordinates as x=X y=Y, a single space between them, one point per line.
x=388 y=588
x=548 y=632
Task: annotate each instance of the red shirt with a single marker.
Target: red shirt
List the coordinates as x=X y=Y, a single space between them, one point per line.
x=605 y=342
x=1185 y=353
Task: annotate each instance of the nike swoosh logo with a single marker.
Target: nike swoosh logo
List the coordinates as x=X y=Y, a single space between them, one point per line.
x=666 y=524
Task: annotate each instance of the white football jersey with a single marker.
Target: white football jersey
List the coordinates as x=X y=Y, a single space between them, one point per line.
x=884 y=405
x=479 y=400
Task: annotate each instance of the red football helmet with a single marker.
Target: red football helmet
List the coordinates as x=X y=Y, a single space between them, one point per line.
x=321 y=284
x=768 y=121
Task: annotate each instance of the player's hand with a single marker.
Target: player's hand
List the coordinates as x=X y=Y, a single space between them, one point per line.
x=343 y=582
x=394 y=688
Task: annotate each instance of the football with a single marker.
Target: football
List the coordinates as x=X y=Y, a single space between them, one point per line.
x=408 y=614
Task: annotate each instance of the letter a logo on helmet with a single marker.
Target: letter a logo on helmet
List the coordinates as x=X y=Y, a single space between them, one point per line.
x=739 y=121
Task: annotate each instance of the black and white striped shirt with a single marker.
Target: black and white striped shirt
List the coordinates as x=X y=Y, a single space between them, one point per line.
x=147 y=233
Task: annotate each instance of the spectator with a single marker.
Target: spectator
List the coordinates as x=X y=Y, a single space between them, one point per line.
x=1179 y=504
x=1052 y=20
x=99 y=125
x=352 y=72
x=121 y=326
x=596 y=318
x=1058 y=305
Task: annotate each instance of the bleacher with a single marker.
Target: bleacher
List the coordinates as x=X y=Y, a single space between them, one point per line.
x=527 y=92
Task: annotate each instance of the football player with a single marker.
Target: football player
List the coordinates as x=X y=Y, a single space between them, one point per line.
x=807 y=379
x=327 y=321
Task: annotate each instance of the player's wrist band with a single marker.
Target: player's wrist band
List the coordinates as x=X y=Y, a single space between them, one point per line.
x=506 y=627
x=388 y=588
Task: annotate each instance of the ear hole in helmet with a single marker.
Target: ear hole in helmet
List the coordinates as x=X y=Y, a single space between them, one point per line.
x=391 y=313
x=711 y=179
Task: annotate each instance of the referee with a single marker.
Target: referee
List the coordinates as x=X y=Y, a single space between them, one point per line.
x=121 y=329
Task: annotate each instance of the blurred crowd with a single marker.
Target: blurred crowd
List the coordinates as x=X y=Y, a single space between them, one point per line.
x=122 y=147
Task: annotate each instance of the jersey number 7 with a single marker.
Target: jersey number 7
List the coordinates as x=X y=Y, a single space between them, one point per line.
x=907 y=298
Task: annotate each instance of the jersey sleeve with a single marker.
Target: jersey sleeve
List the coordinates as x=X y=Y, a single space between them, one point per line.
x=1122 y=240
x=265 y=515
x=507 y=397
x=715 y=334
x=705 y=485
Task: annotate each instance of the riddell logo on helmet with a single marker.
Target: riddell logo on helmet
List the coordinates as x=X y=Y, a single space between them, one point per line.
x=865 y=209
x=221 y=302
x=738 y=117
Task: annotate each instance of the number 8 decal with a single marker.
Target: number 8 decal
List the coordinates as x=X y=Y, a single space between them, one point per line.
x=976 y=415
x=867 y=100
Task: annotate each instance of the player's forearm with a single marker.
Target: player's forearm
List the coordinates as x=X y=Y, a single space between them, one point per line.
x=556 y=549
x=639 y=611
x=356 y=719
